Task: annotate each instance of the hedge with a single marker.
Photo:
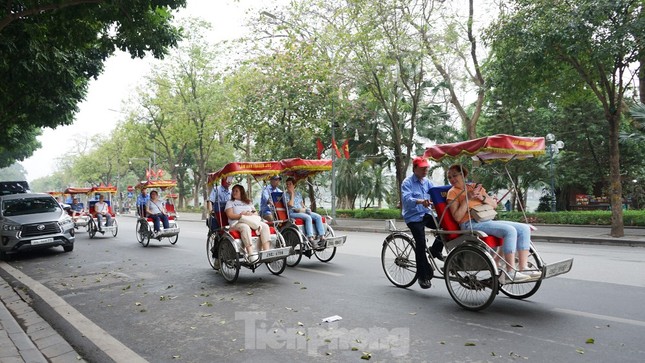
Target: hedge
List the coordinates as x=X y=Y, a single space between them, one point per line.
x=630 y=217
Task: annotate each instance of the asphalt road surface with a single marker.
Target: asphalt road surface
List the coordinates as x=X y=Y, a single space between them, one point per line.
x=166 y=304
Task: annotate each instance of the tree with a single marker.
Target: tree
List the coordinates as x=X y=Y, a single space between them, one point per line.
x=597 y=40
x=13 y=172
x=52 y=49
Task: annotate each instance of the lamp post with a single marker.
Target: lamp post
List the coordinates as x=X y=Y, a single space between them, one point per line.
x=553 y=148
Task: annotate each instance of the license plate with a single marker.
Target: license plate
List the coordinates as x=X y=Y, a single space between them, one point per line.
x=275 y=253
x=41 y=241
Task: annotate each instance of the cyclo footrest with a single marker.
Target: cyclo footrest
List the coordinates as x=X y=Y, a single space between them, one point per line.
x=168 y=232
x=558 y=268
x=335 y=241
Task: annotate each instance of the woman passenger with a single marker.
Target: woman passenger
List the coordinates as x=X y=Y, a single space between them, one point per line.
x=517 y=236
x=240 y=205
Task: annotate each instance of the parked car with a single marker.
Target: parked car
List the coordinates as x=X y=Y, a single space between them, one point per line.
x=33 y=221
x=13 y=187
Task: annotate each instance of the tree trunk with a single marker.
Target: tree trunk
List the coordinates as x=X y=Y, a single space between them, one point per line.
x=615 y=185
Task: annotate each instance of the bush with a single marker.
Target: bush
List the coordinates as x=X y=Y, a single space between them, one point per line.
x=630 y=217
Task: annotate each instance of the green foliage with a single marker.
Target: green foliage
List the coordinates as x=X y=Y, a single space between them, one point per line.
x=631 y=217
x=13 y=172
x=51 y=49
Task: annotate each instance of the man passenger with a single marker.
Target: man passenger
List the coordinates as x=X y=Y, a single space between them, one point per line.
x=266 y=202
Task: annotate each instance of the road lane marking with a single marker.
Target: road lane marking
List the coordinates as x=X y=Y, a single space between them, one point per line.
x=104 y=341
x=319 y=272
x=602 y=317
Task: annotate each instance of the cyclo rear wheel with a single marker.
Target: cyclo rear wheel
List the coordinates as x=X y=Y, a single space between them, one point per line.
x=525 y=289
x=211 y=242
x=398 y=259
x=470 y=277
x=91 y=228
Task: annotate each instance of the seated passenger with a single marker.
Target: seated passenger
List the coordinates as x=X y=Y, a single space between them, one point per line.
x=297 y=209
x=157 y=211
x=102 y=211
x=517 y=236
x=266 y=202
x=76 y=207
x=238 y=207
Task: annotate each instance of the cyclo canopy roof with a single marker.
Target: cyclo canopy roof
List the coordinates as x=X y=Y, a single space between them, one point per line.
x=303 y=168
x=74 y=190
x=295 y=167
x=104 y=189
x=161 y=184
x=497 y=147
x=259 y=169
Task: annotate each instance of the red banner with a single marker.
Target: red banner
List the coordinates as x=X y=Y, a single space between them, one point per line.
x=335 y=147
x=346 y=148
x=319 y=148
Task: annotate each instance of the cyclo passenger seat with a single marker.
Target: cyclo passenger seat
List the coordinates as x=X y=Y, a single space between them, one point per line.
x=282 y=212
x=222 y=225
x=448 y=222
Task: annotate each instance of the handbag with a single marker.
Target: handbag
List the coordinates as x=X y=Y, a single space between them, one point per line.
x=483 y=212
x=252 y=221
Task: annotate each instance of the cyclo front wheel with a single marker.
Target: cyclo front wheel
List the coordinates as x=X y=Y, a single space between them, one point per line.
x=277 y=267
x=470 y=278
x=328 y=253
x=292 y=239
x=398 y=259
x=229 y=261
x=525 y=289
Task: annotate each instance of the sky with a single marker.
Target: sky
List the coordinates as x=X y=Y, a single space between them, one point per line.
x=100 y=112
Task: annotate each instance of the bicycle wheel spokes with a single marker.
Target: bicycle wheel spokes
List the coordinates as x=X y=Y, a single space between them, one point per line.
x=470 y=278
x=398 y=260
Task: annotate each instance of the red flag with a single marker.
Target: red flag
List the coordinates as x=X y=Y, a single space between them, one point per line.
x=319 y=147
x=335 y=147
x=346 y=148
x=159 y=174
x=148 y=174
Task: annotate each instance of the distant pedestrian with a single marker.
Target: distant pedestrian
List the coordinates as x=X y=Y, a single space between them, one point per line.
x=507 y=205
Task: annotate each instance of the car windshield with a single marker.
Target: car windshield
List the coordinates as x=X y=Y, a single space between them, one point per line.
x=15 y=207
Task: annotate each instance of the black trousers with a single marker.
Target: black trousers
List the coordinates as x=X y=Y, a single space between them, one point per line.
x=424 y=270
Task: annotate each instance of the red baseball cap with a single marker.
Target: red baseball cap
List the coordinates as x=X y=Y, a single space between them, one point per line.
x=420 y=162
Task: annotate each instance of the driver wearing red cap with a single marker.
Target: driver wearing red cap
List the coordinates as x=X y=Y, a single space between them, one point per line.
x=416 y=211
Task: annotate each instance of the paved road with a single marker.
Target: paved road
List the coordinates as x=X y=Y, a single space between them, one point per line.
x=583 y=270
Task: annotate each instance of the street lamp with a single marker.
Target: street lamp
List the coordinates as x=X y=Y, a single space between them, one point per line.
x=553 y=148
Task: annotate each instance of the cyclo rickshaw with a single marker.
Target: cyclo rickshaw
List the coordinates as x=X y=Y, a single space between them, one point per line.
x=108 y=191
x=474 y=266
x=83 y=217
x=293 y=229
x=224 y=247
x=145 y=225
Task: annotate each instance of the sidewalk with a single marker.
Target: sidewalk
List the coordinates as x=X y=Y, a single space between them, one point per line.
x=26 y=337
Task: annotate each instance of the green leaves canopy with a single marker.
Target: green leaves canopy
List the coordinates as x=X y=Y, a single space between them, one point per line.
x=49 y=50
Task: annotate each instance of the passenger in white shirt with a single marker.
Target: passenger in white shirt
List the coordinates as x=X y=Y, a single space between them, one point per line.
x=102 y=211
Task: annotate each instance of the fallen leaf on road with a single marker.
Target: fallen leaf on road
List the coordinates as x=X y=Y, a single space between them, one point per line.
x=590 y=341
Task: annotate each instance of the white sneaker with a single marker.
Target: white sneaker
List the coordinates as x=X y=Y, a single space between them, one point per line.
x=519 y=277
x=534 y=274
x=514 y=277
x=252 y=258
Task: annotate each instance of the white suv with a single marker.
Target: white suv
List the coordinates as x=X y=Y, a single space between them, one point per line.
x=33 y=221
